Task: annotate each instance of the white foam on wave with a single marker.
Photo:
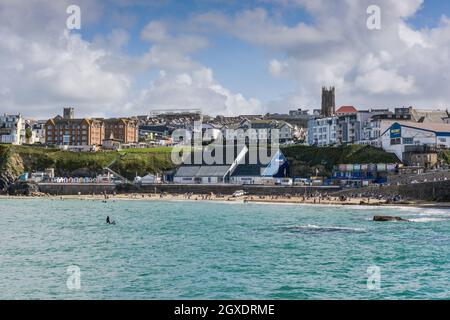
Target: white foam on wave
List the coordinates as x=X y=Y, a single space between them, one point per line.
x=427 y=220
x=425 y=211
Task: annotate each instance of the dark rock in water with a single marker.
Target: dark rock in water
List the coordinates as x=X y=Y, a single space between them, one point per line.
x=388 y=218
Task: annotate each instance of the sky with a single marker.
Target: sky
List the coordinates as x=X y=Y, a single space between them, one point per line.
x=224 y=57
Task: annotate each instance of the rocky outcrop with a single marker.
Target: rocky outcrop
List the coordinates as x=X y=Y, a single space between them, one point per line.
x=21 y=188
x=388 y=218
x=11 y=167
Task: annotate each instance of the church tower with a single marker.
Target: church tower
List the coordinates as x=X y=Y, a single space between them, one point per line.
x=328 y=101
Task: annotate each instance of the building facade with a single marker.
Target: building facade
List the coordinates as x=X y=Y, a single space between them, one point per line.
x=402 y=138
x=12 y=128
x=124 y=130
x=74 y=132
x=323 y=131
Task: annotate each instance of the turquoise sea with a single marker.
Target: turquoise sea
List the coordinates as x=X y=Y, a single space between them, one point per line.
x=205 y=250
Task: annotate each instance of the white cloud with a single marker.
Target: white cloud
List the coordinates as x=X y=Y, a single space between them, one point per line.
x=381 y=81
x=195 y=90
x=397 y=65
x=44 y=68
x=411 y=37
x=277 y=68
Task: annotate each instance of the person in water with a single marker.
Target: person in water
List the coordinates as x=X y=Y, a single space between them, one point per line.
x=108 y=221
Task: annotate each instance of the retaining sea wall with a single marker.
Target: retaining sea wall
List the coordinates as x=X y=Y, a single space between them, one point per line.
x=438 y=191
x=76 y=188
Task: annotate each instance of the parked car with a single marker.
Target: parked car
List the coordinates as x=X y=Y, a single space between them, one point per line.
x=284 y=182
x=302 y=182
x=238 y=193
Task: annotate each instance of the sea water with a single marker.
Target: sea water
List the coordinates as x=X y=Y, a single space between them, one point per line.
x=213 y=250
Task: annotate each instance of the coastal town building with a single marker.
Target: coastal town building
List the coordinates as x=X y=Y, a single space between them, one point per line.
x=349 y=125
x=407 y=138
x=259 y=130
x=74 y=132
x=12 y=128
x=69 y=131
x=38 y=129
x=238 y=171
x=323 y=131
x=124 y=130
x=196 y=168
x=261 y=173
x=155 y=132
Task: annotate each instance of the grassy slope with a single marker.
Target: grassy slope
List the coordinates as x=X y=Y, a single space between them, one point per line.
x=304 y=160
x=128 y=164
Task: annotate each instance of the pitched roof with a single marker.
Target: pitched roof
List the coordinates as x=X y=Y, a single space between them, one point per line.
x=438 y=128
x=202 y=171
x=429 y=116
x=347 y=109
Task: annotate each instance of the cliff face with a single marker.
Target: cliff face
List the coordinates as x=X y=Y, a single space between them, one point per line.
x=11 y=167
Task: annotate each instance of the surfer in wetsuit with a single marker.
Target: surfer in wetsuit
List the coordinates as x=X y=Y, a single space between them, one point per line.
x=109 y=221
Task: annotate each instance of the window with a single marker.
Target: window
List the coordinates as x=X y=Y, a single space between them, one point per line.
x=443 y=140
x=408 y=140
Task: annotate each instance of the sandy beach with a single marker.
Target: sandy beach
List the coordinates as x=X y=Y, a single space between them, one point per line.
x=308 y=200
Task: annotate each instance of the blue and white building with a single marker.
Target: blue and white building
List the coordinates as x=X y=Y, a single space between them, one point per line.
x=401 y=135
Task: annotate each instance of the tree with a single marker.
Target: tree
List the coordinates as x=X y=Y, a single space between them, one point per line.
x=28 y=135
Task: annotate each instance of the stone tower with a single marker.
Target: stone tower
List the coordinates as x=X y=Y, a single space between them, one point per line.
x=68 y=113
x=328 y=102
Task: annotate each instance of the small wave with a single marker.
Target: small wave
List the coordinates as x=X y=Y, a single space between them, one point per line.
x=315 y=228
x=425 y=211
x=427 y=220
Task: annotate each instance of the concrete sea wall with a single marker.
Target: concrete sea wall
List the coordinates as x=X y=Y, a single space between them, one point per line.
x=75 y=188
x=438 y=191
x=228 y=189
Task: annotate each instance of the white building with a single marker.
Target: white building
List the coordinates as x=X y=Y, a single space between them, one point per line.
x=38 y=130
x=11 y=128
x=323 y=131
x=403 y=134
x=257 y=130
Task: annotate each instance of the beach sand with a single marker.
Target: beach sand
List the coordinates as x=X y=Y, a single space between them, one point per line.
x=329 y=200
